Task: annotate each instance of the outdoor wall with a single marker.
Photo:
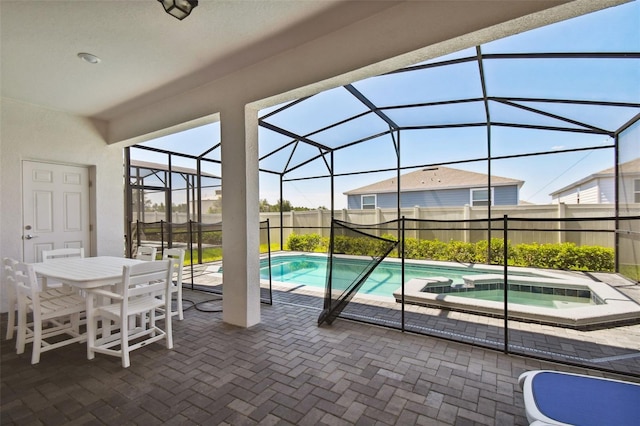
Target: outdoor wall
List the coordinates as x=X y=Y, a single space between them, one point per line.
x=568 y=197
x=607 y=190
x=354 y=201
x=589 y=192
x=503 y=195
x=33 y=133
x=601 y=190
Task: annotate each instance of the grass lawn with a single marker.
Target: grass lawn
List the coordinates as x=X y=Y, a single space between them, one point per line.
x=213 y=254
x=631 y=272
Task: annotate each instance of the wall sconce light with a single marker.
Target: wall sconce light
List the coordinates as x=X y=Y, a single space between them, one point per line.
x=179 y=8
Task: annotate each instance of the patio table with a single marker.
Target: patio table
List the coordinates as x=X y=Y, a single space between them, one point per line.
x=85 y=272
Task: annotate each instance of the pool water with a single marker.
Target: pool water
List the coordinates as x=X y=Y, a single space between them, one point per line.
x=386 y=278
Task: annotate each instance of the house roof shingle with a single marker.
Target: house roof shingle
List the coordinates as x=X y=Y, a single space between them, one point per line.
x=434 y=178
x=628 y=167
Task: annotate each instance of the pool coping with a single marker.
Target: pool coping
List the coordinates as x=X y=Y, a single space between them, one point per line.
x=617 y=307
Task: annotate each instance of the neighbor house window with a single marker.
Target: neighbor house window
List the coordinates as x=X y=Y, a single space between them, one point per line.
x=480 y=197
x=636 y=190
x=368 y=202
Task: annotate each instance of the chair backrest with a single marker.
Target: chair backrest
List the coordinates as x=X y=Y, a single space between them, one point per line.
x=146 y=253
x=145 y=279
x=177 y=257
x=8 y=274
x=49 y=255
x=8 y=266
x=26 y=282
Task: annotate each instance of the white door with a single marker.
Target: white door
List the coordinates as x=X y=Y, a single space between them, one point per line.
x=55 y=201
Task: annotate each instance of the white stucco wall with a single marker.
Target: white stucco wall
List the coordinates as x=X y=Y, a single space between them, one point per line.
x=32 y=133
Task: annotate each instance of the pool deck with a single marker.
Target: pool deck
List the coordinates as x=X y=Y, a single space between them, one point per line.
x=287 y=370
x=284 y=371
x=615 y=348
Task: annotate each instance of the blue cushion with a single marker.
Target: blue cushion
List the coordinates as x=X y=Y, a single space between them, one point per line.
x=581 y=400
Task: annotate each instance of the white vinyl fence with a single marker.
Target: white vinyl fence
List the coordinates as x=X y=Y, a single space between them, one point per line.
x=581 y=232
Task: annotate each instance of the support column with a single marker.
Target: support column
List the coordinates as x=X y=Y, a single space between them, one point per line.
x=240 y=216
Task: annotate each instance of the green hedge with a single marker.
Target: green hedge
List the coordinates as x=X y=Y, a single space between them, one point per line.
x=565 y=256
x=356 y=246
x=307 y=242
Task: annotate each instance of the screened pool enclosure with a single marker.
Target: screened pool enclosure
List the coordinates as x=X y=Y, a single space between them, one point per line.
x=548 y=107
x=553 y=112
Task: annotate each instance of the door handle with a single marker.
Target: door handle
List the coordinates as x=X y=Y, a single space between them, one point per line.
x=29 y=236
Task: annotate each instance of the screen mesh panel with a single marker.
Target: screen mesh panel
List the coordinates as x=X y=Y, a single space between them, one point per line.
x=353 y=255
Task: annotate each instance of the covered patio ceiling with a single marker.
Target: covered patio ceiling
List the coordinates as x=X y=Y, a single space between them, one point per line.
x=147 y=55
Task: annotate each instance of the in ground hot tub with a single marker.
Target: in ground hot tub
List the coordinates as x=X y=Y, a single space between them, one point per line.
x=574 y=302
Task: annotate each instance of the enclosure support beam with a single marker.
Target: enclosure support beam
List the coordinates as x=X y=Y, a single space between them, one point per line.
x=128 y=197
x=483 y=84
x=281 y=214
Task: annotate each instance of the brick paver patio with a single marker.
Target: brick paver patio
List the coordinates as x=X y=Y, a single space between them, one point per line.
x=286 y=370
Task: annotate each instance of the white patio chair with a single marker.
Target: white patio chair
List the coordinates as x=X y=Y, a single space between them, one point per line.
x=52 y=316
x=52 y=256
x=177 y=257
x=8 y=266
x=146 y=253
x=12 y=295
x=49 y=255
x=145 y=287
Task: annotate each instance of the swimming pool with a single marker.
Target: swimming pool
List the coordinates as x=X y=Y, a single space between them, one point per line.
x=550 y=297
x=310 y=270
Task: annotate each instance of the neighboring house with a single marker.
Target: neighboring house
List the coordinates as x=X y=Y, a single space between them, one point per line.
x=436 y=187
x=210 y=206
x=599 y=188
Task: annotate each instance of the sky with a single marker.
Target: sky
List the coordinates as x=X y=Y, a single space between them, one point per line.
x=611 y=30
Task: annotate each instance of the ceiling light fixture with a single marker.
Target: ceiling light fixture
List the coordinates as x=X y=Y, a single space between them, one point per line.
x=88 y=57
x=179 y=8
